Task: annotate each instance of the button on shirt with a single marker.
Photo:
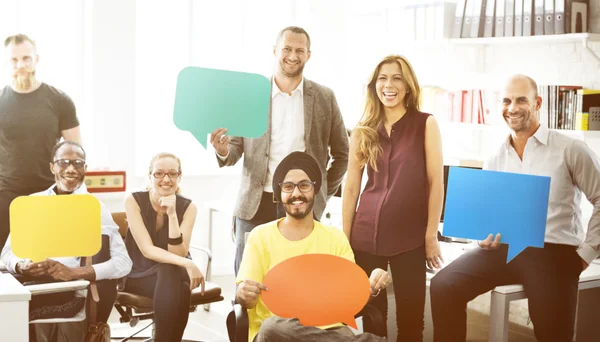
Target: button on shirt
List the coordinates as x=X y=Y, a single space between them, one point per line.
x=287 y=127
x=574 y=170
x=119 y=264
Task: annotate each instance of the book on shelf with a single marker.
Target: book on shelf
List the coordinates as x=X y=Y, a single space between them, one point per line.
x=473 y=106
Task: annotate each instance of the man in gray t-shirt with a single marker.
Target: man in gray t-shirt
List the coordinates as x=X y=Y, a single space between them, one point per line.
x=34 y=116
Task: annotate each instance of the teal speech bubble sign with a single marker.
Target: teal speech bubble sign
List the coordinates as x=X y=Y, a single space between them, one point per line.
x=207 y=99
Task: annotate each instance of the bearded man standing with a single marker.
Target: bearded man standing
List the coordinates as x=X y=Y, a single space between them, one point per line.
x=34 y=116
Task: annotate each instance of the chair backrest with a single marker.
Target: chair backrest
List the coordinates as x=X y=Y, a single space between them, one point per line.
x=121 y=220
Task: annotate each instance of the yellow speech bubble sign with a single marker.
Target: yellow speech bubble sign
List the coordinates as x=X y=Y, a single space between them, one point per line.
x=55 y=226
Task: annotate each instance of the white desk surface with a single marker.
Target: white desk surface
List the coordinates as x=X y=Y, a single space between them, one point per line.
x=11 y=290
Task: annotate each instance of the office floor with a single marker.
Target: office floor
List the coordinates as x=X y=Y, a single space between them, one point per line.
x=210 y=326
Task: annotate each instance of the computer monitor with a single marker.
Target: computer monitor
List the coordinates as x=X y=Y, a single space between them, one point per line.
x=446 y=171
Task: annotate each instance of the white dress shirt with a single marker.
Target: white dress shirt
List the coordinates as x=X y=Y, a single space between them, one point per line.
x=574 y=169
x=119 y=264
x=287 y=128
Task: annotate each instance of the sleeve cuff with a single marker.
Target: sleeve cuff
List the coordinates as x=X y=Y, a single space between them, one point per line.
x=587 y=253
x=222 y=158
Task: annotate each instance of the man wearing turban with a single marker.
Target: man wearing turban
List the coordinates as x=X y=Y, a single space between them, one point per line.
x=295 y=182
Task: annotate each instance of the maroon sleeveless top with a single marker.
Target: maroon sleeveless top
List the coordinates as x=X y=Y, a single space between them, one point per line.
x=392 y=214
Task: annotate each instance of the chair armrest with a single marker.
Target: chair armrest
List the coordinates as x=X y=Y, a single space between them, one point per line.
x=372 y=316
x=208 y=262
x=57 y=287
x=238 y=324
x=202 y=249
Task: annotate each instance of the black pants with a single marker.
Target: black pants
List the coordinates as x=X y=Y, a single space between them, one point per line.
x=170 y=290
x=408 y=272
x=549 y=275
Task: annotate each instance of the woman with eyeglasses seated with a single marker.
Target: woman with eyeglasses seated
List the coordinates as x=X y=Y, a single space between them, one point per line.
x=160 y=228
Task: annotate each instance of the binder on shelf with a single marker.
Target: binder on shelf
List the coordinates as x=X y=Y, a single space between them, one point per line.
x=467 y=20
x=458 y=18
x=559 y=16
x=577 y=15
x=538 y=15
x=444 y=20
x=518 y=18
x=499 y=27
x=477 y=13
x=488 y=25
x=509 y=18
x=549 y=17
x=527 y=15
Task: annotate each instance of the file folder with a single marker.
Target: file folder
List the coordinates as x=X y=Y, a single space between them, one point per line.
x=488 y=25
x=518 y=18
x=527 y=17
x=559 y=16
x=549 y=17
x=509 y=15
x=538 y=22
x=499 y=28
x=458 y=18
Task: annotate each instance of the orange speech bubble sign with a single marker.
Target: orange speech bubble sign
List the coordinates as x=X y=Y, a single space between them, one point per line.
x=318 y=289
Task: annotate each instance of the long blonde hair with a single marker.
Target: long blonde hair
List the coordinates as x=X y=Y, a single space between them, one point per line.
x=373 y=115
x=160 y=156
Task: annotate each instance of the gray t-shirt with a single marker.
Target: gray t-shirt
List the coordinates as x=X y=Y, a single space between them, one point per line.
x=30 y=126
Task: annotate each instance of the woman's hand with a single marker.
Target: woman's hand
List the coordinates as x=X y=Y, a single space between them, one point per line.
x=196 y=277
x=433 y=252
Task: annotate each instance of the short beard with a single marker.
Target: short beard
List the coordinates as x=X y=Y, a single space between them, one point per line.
x=287 y=74
x=24 y=82
x=301 y=215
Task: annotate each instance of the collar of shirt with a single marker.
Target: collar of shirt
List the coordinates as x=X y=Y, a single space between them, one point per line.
x=79 y=191
x=275 y=89
x=541 y=135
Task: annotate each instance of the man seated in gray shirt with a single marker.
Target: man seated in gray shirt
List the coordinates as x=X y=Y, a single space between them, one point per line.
x=550 y=275
x=34 y=116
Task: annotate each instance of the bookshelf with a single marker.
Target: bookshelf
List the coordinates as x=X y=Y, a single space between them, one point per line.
x=545 y=39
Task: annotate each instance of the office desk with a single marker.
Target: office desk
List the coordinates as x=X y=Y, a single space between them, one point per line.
x=14 y=310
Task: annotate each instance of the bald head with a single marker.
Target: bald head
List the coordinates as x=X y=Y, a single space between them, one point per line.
x=520 y=103
x=523 y=80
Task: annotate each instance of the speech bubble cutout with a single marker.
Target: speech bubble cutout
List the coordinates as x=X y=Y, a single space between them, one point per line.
x=55 y=226
x=207 y=99
x=482 y=202
x=318 y=289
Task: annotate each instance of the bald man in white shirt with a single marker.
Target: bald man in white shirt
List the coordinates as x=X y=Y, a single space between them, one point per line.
x=549 y=275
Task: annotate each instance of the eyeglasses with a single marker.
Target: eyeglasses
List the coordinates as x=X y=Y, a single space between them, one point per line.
x=304 y=186
x=64 y=163
x=161 y=174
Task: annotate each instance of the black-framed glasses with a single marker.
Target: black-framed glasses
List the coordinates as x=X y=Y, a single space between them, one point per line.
x=64 y=163
x=304 y=186
x=161 y=174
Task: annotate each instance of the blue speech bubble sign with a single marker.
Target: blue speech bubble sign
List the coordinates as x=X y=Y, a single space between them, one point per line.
x=482 y=202
x=207 y=99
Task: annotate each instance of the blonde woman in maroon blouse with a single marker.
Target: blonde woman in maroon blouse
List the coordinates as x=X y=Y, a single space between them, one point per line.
x=396 y=222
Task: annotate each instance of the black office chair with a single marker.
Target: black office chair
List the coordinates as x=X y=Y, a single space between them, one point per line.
x=133 y=307
x=237 y=322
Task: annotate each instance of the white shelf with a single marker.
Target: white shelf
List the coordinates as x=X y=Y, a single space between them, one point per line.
x=553 y=38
